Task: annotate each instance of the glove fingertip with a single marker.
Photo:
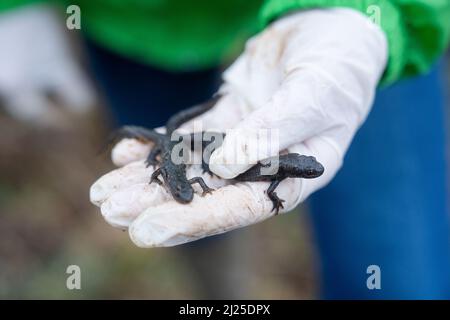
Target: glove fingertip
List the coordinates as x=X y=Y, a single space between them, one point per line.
x=129 y=150
x=96 y=194
x=146 y=234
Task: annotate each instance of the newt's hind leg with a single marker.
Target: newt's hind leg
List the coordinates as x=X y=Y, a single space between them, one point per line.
x=202 y=184
x=277 y=202
x=205 y=169
x=209 y=142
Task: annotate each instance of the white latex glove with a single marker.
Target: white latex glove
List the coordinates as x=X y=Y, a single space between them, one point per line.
x=310 y=77
x=35 y=59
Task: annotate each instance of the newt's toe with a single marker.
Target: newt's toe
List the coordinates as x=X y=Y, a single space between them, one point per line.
x=277 y=205
x=207 y=191
x=155 y=180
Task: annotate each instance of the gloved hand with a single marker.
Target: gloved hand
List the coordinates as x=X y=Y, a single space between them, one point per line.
x=310 y=77
x=35 y=61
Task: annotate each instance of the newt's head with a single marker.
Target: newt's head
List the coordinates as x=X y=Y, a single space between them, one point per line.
x=181 y=190
x=310 y=168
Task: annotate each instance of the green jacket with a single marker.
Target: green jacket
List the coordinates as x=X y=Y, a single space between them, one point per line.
x=181 y=34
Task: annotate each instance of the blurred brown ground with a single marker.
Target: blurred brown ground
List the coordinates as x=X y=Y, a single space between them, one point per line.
x=48 y=223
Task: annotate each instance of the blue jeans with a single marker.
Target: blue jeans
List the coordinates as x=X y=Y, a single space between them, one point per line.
x=386 y=207
x=141 y=95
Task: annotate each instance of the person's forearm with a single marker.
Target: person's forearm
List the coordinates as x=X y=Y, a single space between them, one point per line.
x=6 y=5
x=417 y=31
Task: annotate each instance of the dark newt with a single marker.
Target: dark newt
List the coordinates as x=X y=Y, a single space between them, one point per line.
x=291 y=165
x=173 y=174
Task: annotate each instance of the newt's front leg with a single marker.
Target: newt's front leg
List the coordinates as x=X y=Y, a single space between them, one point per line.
x=152 y=157
x=155 y=175
x=202 y=184
x=277 y=202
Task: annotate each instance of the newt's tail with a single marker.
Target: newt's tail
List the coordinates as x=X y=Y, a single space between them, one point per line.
x=185 y=115
x=133 y=132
